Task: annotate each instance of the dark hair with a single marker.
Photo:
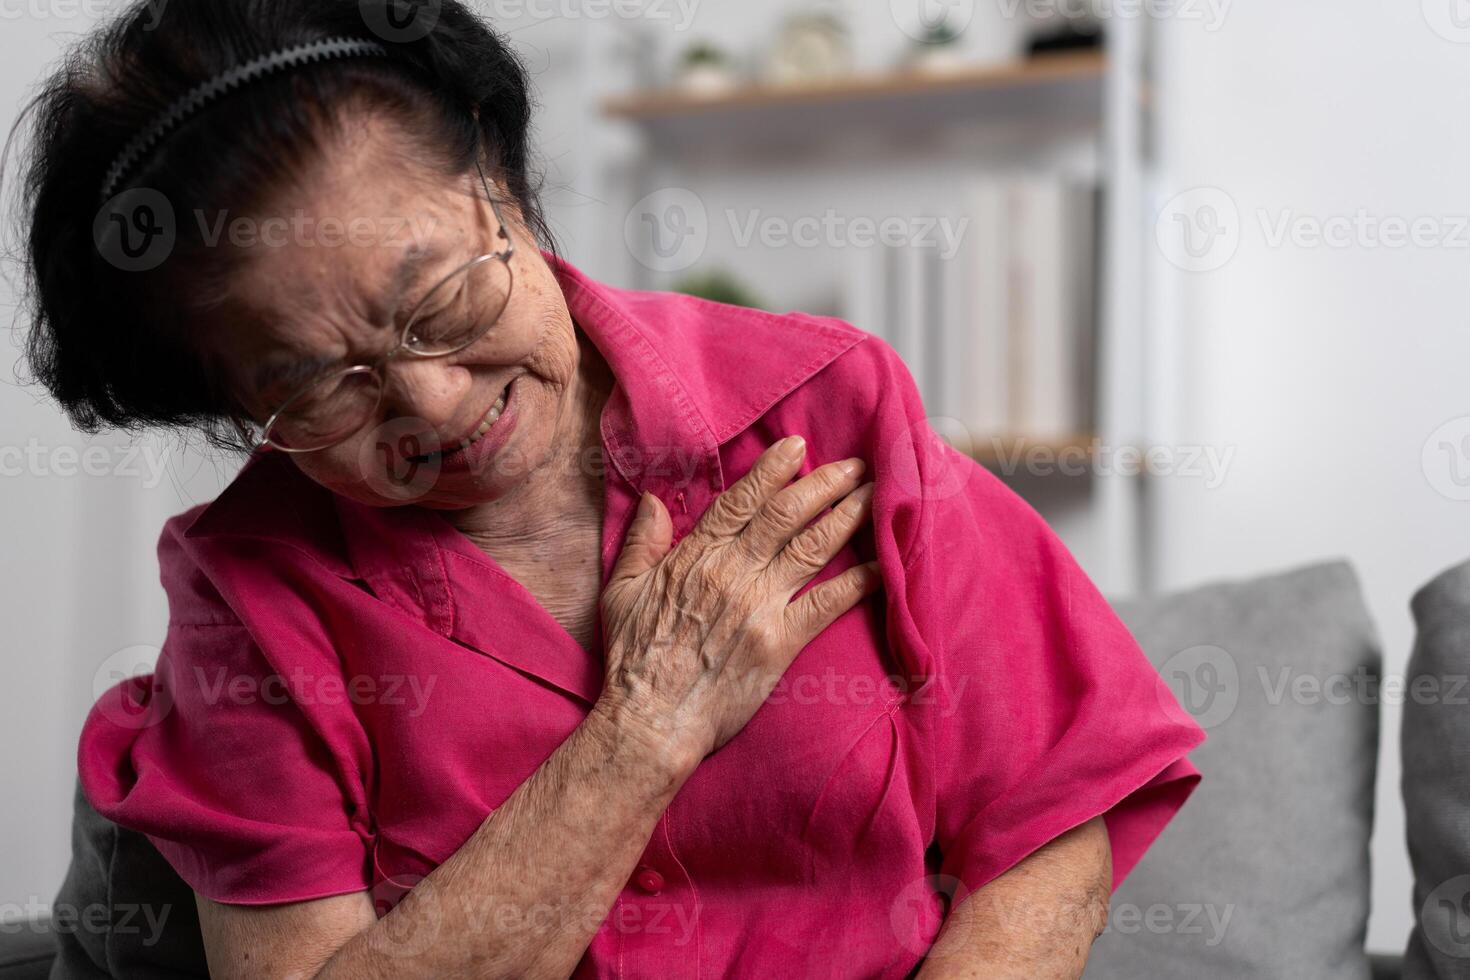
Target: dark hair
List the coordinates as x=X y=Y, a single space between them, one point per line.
x=113 y=346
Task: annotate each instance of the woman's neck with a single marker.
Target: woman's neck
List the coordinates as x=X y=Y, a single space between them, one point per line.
x=561 y=502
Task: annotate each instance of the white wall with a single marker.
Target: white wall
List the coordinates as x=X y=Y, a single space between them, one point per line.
x=1326 y=368
x=79 y=582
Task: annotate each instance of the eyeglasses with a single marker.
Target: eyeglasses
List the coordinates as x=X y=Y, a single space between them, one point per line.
x=459 y=310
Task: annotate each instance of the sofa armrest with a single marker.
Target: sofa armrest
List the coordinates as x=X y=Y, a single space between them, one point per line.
x=1386 y=967
x=26 y=950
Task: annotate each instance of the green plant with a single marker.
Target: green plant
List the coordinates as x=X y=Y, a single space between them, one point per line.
x=718 y=286
x=939 y=34
x=704 y=53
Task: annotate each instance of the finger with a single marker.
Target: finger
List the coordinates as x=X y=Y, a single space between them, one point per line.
x=784 y=516
x=649 y=539
x=820 y=606
x=814 y=548
x=734 y=508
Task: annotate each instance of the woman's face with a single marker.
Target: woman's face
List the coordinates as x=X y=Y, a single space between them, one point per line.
x=330 y=282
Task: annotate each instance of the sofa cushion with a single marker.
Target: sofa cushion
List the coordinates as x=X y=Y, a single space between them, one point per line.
x=1265 y=872
x=1435 y=748
x=122 y=911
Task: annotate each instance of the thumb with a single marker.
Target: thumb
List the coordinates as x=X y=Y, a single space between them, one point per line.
x=648 y=541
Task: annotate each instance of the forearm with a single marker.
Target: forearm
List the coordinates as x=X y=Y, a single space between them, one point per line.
x=525 y=894
x=1035 y=922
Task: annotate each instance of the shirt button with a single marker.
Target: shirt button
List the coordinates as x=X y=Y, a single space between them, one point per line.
x=649 y=880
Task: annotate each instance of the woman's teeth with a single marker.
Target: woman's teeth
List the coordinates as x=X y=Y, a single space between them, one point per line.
x=490 y=419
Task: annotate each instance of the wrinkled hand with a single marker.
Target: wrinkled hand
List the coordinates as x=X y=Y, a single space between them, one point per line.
x=697 y=637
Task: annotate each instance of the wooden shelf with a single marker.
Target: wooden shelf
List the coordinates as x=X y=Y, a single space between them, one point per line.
x=1034 y=72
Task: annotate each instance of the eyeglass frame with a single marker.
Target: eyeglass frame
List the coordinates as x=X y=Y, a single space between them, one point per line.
x=403 y=347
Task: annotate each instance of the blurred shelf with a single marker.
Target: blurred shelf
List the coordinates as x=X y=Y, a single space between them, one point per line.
x=658 y=106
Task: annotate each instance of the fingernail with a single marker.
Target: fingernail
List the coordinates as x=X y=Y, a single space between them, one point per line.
x=852 y=467
x=645 y=506
x=793 y=446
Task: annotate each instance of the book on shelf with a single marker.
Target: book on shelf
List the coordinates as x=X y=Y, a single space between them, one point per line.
x=1000 y=335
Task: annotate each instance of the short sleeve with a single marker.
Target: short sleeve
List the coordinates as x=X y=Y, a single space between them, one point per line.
x=1042 y=711
x=213 y=758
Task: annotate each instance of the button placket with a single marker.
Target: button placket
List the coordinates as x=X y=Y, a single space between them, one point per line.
x=657 y=914
x=648 y=880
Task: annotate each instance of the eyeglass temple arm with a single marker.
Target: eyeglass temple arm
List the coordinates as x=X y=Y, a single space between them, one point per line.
x=510 y=245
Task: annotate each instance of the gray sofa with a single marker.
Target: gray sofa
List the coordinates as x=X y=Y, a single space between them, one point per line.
x=1264 y=874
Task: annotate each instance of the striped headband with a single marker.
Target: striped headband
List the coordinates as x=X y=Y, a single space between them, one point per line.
x=201 y=95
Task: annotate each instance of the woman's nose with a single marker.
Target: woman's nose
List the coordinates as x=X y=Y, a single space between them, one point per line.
x=430 y=390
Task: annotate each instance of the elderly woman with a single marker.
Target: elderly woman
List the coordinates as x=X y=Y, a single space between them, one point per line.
x=487 y=664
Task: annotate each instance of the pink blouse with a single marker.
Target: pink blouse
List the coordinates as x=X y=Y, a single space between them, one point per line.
x=346 y=692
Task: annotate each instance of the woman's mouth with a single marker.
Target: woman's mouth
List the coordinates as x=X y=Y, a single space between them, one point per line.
x=480 y=431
